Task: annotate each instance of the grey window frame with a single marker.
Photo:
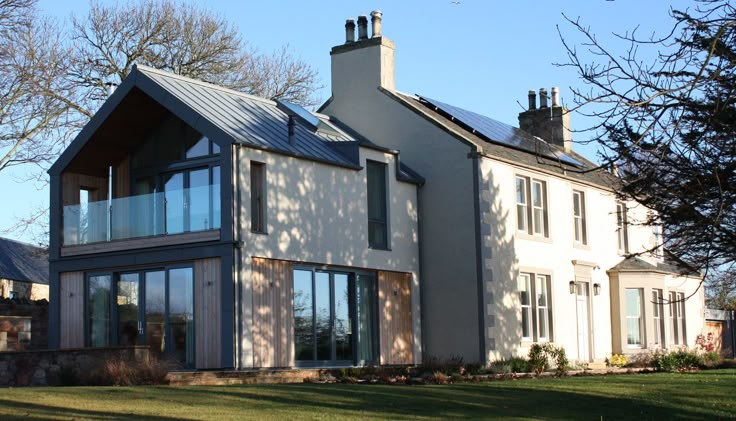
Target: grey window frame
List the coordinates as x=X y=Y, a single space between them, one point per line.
x=382 y=169
x=258 y=197
x=532 y=228
x=579 y=195
x=534 y=306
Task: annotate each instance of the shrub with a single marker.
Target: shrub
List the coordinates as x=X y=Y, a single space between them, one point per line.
x=539 y=356
x=617 y=360
x=711 y=358
x=681 y=360
x=439 y=377
x=117 y=371
x=448 y=366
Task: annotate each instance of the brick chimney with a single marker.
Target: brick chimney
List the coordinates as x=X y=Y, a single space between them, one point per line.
x=551 y=123
x=365 y=62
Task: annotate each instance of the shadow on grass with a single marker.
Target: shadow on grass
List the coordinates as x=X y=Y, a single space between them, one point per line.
x=12 y=410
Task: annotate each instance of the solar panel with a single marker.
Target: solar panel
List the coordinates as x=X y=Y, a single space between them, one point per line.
x=500 y=133
x=298 y=111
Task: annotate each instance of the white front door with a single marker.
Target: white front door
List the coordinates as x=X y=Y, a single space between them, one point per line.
x=581 y=294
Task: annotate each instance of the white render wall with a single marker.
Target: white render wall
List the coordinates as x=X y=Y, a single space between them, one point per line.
x=508 y=252
x=316 y=213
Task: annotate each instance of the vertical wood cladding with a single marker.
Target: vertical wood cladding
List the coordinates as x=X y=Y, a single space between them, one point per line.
x=71 y=310
x=207 y=313
x=395 y=327
x=273 y=314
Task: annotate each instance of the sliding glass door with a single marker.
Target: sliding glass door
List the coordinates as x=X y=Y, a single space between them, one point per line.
x=334 y=318
x=151 y=307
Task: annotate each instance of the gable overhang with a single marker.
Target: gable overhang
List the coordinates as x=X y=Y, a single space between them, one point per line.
x=138 y=95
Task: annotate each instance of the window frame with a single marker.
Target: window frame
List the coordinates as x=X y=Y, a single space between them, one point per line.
x=383 y=222
x=677 y=318
x=658 y=316
x=534 y=309
x=580 y=232
x=639 y=317
x=529 y=207
x=622 y=228
x=258 y=197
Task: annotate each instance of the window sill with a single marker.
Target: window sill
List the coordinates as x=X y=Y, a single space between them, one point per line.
x=580 y=246
x=379 y=248
x=538 y=238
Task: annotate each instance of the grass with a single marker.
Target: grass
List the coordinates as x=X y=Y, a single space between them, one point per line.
x=702 y=395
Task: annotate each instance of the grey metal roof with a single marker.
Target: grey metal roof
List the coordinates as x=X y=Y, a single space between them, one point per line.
x=23 y=262
x=247 y=119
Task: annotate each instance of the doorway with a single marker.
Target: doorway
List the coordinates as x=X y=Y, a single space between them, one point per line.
x=152 y=307
x=582 y=299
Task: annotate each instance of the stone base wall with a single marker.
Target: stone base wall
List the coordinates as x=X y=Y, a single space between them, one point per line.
x=49 y=367
x=24 y=335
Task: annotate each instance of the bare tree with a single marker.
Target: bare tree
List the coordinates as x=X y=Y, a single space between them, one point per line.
x=52 y=79
x=667 y=113
x=32 y=90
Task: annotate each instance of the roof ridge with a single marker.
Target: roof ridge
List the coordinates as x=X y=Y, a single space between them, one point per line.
x=148 y=69
x=21 y=242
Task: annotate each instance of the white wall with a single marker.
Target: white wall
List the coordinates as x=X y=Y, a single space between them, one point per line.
x=512 y=252
x=316 y=213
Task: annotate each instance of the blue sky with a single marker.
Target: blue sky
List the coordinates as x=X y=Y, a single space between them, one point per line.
x=482 y=55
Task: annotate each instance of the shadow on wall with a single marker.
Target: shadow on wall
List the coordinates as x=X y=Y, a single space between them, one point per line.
x=501 y=302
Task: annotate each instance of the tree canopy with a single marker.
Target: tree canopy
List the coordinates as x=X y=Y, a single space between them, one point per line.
x=666 y=109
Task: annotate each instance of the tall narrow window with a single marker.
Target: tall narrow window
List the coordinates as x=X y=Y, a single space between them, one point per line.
x=633 y=318
x=578 y=211
x=525 y=295
x=621 y=228
x=538 y=207
x=258 y=197
x=535 y=307
x=377 y=209
x=657 y=310
x=677 y=317
x=540 y=291
x=99 y=309
x=521 y=204
x=531 y=206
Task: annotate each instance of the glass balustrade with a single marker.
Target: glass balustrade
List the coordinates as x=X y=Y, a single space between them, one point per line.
x=171 y=212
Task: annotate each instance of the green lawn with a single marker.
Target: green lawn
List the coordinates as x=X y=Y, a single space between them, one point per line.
x=704 y=395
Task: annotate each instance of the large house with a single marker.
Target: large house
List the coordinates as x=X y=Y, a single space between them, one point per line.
x=228 y=231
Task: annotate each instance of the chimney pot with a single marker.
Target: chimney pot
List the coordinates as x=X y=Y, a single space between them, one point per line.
x=376 y=23
x=543 y=98
x=532 y=99
x=349 y=30
x=555 y=96
x=362 y=27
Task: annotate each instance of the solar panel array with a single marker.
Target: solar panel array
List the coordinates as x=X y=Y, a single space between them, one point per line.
x=500 y=133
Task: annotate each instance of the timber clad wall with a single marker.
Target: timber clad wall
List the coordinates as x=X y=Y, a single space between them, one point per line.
x=273 y=315
x=71 y=310
x=394 y=303
x=207 y=313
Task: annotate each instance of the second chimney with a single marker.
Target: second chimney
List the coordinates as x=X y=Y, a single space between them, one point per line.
x=349 y=31
x=376 y=23
x=549 y=123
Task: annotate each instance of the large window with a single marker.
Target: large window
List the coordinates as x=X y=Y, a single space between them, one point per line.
x=150 y=307
x=258 y=197
x=578 y=208
x=377 y=205
x=677 y=318
x=633 y=318
x=622 y=235
x=658 y=316
x=536 y=309
x=531 y=206
x=335 y=317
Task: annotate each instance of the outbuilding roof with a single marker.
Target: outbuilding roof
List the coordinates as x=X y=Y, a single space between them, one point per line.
x=23 y=262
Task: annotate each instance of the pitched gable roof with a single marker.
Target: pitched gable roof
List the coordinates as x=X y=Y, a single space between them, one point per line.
x=23 y=262
x=670 y=266
x=224 y=115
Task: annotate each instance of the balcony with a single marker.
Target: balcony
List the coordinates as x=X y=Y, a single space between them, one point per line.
x=179 y=212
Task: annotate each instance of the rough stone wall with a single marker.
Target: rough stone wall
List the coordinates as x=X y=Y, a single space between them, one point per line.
x=27 y=290
x=37 y=312
x=49 y=367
